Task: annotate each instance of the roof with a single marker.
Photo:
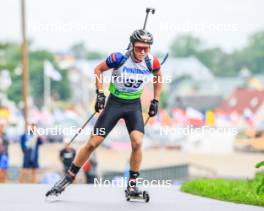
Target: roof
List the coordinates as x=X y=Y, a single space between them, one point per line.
x=243 y=100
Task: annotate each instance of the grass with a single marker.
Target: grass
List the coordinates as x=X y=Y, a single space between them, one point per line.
x=238 y=191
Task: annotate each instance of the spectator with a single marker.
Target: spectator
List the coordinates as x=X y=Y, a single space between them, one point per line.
x=90 y=169
x=30 y=143
x=4 y=159
x=67 y=155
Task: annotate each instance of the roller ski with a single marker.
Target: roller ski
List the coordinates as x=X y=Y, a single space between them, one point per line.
x=132 y=192
x=60 y=186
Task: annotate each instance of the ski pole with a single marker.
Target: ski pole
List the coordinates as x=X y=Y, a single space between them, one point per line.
x=80 y=129
x=164 y=59
x=146 y=121
x=148 y=10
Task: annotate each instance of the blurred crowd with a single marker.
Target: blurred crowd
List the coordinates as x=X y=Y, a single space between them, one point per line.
x=29 y=145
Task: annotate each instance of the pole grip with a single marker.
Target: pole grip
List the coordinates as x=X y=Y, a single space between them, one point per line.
x=148 y=10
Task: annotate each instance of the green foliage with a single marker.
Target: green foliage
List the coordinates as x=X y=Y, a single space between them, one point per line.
x=163 y=99
x=260 y=178
x=61 y=89
x=36 y=60
x=185 y=45
x=239 y=191
x=259 y=164
x=10 y=58
x=253 y=53
x=95 y=55
x=220 y=62
x=80 y=51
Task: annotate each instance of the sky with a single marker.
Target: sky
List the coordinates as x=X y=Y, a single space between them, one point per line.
x=106 y=25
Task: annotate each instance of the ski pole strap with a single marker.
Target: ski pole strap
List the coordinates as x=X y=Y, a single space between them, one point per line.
x=148 y=63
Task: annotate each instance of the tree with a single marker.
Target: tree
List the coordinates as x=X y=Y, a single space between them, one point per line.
x=79 y=50
x=95 y=55
x=252 y=56
x=61 y=88
x=185 y=45
x=220 y=62
x=10 y=58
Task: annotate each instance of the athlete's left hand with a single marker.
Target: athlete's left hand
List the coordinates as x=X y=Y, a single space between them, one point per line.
x=153 y=108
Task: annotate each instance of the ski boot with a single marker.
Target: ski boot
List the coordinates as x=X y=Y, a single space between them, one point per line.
x=60 y=186
x=132 y=192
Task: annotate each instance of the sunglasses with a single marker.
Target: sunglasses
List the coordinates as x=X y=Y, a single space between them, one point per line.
x=139 y=49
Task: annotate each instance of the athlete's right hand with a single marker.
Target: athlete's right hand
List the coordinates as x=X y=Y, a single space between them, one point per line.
x=100 y=101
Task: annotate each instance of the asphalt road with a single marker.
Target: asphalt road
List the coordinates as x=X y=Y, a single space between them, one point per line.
x=89 y=198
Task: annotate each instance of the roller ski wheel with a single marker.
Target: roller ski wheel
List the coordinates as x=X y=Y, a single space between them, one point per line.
x=137 y=195
x=55 y=191
x=60 y=186
x=146 y=196
x=127 y=195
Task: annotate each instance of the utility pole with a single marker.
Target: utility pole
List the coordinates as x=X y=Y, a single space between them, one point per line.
x=25 y=75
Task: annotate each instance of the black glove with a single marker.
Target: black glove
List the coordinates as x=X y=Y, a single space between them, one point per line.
x=100 y=101
x=153 y=108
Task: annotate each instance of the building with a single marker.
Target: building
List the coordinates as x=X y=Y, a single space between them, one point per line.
x=247 y=104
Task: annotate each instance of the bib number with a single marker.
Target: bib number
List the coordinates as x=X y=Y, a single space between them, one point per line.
x=133 y=83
